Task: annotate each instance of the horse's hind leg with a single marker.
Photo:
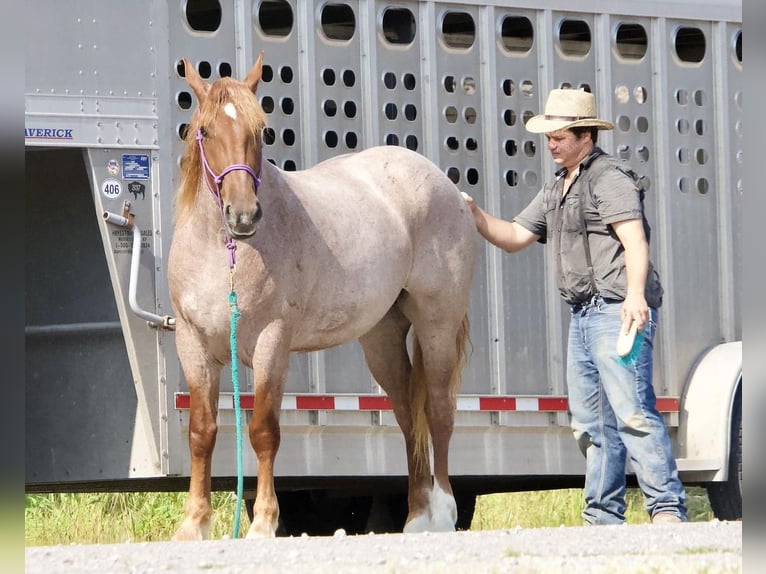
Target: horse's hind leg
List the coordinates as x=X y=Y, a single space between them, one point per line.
x=440 y=338
x=385 y=350
x=203 y=379
x=443 y=363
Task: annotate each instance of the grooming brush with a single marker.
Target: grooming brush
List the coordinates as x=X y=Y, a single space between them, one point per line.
x=629 y=344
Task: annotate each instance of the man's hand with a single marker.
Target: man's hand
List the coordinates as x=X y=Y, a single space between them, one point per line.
x=478 y=216
x=507 y=235
x=469 y=200
x=635 y=308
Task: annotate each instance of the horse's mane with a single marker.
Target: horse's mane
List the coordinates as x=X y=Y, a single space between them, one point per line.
x=248 y=109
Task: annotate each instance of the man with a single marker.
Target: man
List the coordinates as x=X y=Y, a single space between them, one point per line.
x=591 y=215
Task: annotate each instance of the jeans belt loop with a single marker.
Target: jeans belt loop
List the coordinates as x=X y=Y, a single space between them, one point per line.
x=582 y=305
x=593 y=301
x=598 y=301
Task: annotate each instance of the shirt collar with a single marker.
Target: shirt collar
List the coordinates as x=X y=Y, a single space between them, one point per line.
x=584 y=164
x=597 y=151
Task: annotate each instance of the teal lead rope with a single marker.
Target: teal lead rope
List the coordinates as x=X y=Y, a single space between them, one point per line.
x=237 y=411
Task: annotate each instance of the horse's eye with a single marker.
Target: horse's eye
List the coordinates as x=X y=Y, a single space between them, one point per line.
x=203 y=131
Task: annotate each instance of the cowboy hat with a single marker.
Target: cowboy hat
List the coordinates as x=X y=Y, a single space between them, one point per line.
x=567 y=108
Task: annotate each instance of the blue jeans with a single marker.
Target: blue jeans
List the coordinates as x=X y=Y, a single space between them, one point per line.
x=614 y=415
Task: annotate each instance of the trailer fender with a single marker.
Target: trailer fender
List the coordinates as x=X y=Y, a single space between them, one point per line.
x=706 y=413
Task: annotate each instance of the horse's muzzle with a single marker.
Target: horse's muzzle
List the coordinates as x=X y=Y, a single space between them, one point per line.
x=242 y=223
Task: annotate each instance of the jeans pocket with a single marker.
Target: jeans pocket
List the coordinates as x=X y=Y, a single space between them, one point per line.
x=650 y=329
x=608 y=306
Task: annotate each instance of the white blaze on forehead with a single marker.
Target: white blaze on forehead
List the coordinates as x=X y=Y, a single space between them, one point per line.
x=230 y=110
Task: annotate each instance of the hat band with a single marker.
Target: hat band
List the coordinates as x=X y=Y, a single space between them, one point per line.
x=568 y=118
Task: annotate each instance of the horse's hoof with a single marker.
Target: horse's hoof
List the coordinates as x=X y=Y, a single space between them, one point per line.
x=442 y=523
x=261 y=530
x=190 y=531
x=443 y=511
x=421 y=523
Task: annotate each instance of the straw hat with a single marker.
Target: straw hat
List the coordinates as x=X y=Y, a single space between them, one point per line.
x=567 y=108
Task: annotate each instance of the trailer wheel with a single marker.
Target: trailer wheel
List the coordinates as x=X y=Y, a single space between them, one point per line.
x=726 y=497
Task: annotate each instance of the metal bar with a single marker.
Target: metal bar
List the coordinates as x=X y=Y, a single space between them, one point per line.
x=79 y=144
x=91 y=116
x=135 y=263
x=166 y=322
x=92 y=328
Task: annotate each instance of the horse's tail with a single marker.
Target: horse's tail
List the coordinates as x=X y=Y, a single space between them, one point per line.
x=419 y=389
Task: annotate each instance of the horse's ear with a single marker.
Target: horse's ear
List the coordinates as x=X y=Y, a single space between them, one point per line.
x=254 y=75
x=195 y=81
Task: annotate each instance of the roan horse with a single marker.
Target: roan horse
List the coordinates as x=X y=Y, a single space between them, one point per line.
x=361 y=246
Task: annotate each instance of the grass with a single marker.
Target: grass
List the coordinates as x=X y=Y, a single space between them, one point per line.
x=537 y=509
x=105 y=518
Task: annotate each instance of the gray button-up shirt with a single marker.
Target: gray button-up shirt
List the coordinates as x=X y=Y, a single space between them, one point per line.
x=605 y=192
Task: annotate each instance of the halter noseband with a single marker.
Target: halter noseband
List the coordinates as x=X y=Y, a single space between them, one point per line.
x=231 y=245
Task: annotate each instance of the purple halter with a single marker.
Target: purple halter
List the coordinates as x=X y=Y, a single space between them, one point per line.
x=231 y=245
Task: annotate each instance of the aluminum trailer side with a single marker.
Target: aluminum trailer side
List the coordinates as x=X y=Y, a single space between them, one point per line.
x=105 y=111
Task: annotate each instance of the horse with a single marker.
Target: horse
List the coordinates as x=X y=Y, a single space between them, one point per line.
x=364 y=246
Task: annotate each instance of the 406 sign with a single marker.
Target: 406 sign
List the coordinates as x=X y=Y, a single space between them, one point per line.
x=111 y=188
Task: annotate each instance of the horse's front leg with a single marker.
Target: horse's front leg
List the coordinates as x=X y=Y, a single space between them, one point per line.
x=270 y=363
x=203 y=378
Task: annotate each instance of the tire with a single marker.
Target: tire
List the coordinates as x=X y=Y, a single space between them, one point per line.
x=726 y=497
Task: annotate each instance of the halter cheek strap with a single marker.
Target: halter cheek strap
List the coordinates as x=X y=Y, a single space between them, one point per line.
x=231 y=244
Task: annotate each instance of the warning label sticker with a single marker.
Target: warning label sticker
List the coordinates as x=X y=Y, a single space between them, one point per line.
x=122 y=240
x=135 y=166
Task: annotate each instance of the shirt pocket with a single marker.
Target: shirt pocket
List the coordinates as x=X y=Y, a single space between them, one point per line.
x=572 y=218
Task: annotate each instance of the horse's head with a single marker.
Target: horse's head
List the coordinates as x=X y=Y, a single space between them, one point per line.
x=224 y=143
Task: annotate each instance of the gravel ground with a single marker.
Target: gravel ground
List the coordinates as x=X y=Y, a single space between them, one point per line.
x=700 y=547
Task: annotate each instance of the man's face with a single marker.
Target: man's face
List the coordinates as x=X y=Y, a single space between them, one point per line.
x=566 y=149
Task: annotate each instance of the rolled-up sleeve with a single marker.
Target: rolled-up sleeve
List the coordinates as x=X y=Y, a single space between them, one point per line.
x=532 y=217
x=617 y=197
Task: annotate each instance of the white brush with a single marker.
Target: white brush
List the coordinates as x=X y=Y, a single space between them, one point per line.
x=626 y=338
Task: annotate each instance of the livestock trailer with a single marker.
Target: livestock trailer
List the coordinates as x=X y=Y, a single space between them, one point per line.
x=106 y=110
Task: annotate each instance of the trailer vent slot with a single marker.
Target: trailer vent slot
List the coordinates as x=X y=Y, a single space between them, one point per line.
x=338 y=22
x=275 y=17
x=690 y=44
x=631 y=41
x=184 y=100
x=517 y=34
x=458 y=30
x=574 y=38
x=203 y=15
x=399 y=26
